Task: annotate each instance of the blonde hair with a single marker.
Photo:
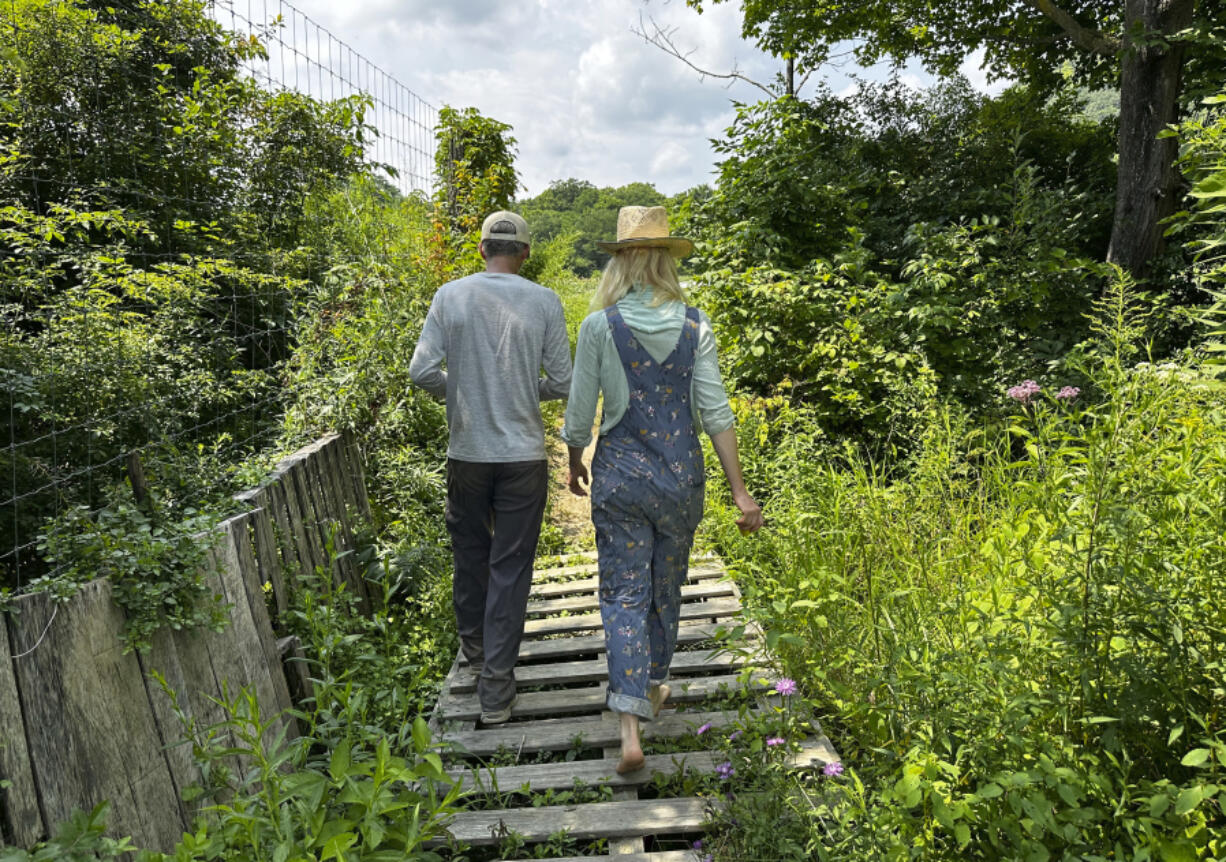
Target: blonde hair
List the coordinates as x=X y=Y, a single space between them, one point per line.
x=655 y=268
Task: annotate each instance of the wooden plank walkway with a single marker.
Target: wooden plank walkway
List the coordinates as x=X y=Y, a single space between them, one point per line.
x=560 y=724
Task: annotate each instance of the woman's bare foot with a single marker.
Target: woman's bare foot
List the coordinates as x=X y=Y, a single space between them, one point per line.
x=632 y=758
x=658 y=694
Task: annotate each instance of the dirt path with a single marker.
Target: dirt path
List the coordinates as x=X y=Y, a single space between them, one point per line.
x=572 y=514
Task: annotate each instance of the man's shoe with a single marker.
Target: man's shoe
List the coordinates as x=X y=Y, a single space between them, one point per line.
x=499 y=716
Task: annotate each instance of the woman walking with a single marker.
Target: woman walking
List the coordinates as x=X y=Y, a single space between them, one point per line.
x=653 y=358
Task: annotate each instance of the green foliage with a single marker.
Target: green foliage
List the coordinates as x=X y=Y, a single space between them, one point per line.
x=1021 y=40
x=577 y=207
x=1203 y=160
x=825 y=338
x=144 y=108
x=159 y=569
x=475 y=175
x=1016 y=632
x=81 y=838
x=355 y=799
x=151 y=207
x=805 y=179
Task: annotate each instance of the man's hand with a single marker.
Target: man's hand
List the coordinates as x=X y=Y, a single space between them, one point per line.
x=579 y=480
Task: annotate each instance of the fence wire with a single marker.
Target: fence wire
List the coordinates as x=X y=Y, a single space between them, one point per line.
x=304 y=56
x=67 y=436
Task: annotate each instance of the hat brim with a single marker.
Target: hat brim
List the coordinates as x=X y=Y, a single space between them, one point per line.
x=678 y=245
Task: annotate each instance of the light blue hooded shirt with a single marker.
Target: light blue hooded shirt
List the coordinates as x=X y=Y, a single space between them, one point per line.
x=598 y=368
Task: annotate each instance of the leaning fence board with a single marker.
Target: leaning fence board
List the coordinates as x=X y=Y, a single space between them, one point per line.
x=18 y=804
x=246 y=573
x=240 y=661
x=713 y=609
x=357 y=473
x=271 y=570
x=598 y=820
x=89 y=723
x=573 y=604
x=296 y=477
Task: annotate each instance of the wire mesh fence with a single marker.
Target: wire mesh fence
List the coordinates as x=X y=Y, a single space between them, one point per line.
x=307 y=58
x=152 y=184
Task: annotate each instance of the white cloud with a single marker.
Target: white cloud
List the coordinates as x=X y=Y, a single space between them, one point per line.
x=586 y=97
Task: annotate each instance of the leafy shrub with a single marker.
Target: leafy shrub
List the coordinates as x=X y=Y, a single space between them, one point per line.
x=823 y=337
x=1016 y=632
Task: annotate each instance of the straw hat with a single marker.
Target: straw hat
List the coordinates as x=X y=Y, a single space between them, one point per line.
x=645 y=227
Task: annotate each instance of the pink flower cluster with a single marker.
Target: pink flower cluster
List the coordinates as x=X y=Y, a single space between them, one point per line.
x=1028 y=389
x=1024 y=391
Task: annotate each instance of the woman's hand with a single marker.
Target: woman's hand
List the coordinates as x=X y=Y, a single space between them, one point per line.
x=751 y=513
x=579 y=480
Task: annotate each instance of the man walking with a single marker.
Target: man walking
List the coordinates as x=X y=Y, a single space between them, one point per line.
x=494 y=331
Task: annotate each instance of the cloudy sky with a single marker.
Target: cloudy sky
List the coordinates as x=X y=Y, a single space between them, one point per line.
x=587 y=97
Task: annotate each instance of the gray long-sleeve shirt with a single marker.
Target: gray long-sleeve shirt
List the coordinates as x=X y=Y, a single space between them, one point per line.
x=494 y=332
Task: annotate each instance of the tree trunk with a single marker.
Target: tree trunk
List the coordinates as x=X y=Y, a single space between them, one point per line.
x=1147 y=189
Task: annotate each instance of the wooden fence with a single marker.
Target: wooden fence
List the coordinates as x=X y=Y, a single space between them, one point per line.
x=80 y=721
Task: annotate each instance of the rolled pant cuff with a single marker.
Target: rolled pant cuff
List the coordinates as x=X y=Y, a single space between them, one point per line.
x=639 y=706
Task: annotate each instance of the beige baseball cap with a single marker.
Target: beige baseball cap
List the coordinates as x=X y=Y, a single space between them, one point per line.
x=505 y=225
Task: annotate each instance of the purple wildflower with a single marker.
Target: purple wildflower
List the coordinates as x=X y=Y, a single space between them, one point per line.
x=697 y=845
x=786 y=687
x=708 y=858
x=1068 y=393
x=1024 y=391
x=832 y=769
x=735 y=735
x=775 y=740
x=725 y=770
x=703 y=729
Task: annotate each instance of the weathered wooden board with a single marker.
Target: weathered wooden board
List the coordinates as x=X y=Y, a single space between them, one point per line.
x=561 y=776
x=579 y=604
x=293 y=563
x=586 y=699
x=553 y=589
x=537 y=650
x=312 y=526
x=267 y=557
x=624 y=845
x=237 y=531
x=357 y=473
x=244 y=656
x=559 y=734
x=713 y=609
x=303 y=549
x=597 y=820
x=594 y=670
x=585 y=561
x=19 y=803
x=89 y=721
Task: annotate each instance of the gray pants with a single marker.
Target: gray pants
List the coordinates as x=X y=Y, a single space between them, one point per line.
x=494 y=513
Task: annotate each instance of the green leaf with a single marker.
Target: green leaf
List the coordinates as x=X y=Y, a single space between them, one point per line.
x=338 y=768
x=1189 y=798
x=1195 y=757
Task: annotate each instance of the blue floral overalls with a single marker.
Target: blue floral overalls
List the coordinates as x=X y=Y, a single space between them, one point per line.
x=647 y=498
